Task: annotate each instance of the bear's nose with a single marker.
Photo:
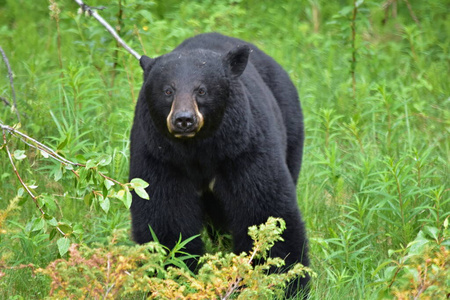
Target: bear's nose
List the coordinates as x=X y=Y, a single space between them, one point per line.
x=184 y=120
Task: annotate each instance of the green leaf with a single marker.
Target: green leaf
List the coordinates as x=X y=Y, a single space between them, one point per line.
x=142 y=193
x=52 y=222
x=154 y=236
x=78 y=229
x=38 y=224
x=147 y=15
x=58 y=174
x=90 y=164
x=432 y=232
x=52 y=234
x=182 y=243
x=417 y=246
x=345 y=10
x=125 y=196
x=19 y=154
x=94 y=176
x=63 y=143
x=137 y=182
x=380 y=267
x=128 y=199
x=104 y=190
x=88 y=199
x=83 y=173
x=48 y=201
x=63 y=245
x=139 y=186
x=108 y=184
x=105 y=204
x=66 y=228
x=105 y=160
x=48 y=217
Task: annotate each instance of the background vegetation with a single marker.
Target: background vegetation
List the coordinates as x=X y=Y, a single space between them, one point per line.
x=373 y=81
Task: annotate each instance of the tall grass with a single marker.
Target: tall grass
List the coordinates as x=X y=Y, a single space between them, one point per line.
x=374 y=187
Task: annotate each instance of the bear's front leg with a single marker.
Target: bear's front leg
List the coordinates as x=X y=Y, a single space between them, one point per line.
x=173 y=208
x=252 y=189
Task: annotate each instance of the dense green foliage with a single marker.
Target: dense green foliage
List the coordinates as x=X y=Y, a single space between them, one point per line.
x=374 y=187
x=114 y=272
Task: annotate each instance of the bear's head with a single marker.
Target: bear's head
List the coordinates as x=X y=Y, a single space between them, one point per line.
x=187 y=92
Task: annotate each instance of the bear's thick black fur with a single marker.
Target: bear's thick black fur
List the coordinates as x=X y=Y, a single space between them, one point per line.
x=218 y=135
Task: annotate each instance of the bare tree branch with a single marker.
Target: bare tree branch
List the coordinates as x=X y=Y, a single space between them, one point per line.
x=39 y=146
x=5 y=144
x=47 y=151
x=108 y=27
x=25 y=186
x=11 y=82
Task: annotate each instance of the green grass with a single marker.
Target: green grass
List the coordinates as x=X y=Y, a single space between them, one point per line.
x=376 y=163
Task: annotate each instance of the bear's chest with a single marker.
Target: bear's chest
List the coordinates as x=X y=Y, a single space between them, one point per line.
x=200 y=173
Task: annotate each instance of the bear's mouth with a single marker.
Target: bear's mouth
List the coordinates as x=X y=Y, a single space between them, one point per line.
x=184 y=132
x=184 y=135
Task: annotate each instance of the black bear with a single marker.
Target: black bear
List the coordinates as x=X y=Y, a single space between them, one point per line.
x=218 y=135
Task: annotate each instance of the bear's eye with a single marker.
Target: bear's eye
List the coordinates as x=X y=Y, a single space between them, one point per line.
x=168 y=92
x=201 y=91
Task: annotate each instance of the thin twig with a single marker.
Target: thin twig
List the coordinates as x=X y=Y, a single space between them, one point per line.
x=236 y=284
x=11 y=82
x=233 y=286
x=5 y=144
x=411 y=12
x=39 y=146
x=108 y=27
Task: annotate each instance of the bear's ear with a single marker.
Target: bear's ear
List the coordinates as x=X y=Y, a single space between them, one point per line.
x=146 y=65
x=236 y=60
x=145 y=62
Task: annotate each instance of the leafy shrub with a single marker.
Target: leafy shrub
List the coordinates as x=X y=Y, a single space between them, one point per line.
x=113 y=271
x=422 y=270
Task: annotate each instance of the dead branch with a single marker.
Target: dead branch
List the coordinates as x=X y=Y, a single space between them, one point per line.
x=25 y=186
x=90 y=10
x=5 y=144
x=11 y=83
x=50 y=152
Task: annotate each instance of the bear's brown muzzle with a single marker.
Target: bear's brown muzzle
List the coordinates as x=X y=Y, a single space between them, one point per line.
x=184 y=119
